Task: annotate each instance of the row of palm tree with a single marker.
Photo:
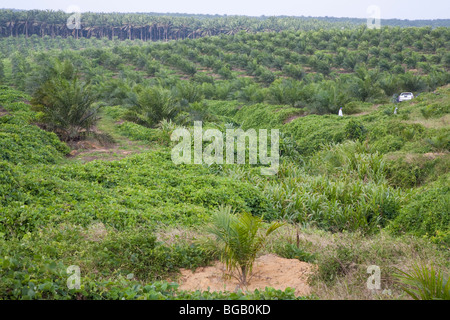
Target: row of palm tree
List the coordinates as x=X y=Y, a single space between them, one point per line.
x=154 y=27
x=135 y=26
x=234 y=68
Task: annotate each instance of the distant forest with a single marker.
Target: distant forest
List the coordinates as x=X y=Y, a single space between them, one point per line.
x=162 y=26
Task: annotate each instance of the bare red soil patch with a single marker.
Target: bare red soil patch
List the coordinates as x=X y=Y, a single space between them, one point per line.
x=269 y=271
x=3 y=112
x=293 y=117
x=89 y=151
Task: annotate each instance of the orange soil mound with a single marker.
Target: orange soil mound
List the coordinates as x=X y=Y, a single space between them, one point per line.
x=268 y=271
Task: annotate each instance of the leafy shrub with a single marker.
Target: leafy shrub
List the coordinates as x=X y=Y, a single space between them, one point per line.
x=291 y=251
x=8 y=179
x=354 y=130
x=352 y=159
x=355 y=107
x=9 y=95
x=28 y=144
x=403 y=174
x=440 y=142
x=312 y=132
x=142 y=255
x=20 y=113
x=263 y=116
x=38 y=278
x=388 y=143
x=115 y=112
x=435 y=110
x=137 y=132
x=289 y=148
x=426 y=214
x=334 y=263
x=414 y=170
x=395 y=130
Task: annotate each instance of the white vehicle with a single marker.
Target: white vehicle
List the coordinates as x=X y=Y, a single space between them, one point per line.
x=405 y=96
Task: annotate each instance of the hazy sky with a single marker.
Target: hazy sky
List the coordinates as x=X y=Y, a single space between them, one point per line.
x=401 y=9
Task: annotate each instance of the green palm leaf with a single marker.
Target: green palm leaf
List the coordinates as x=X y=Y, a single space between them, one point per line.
x=240 y=238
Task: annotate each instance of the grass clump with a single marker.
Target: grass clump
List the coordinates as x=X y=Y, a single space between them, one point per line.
x=291 y=251
x=423 y=283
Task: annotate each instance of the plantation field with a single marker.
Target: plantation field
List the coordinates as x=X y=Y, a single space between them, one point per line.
x=87 y=178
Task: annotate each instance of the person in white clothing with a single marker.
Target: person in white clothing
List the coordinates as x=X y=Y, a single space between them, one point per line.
x=340 y=112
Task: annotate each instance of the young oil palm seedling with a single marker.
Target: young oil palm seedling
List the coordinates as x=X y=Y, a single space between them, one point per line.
x=240 y=237
x=425 y=284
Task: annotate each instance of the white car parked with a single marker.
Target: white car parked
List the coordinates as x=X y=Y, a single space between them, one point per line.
x=405 y=96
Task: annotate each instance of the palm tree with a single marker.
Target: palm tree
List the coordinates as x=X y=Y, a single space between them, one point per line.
x=240 y=238
x=366 y=84
x=67 y=106
x=12 y=19
x=412 y=82
x=151 y=105
x=188 y=91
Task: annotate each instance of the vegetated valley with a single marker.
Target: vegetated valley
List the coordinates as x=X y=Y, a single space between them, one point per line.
x=87 y=179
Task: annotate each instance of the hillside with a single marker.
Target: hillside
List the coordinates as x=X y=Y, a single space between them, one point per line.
x=59 y=203
x=87 y=176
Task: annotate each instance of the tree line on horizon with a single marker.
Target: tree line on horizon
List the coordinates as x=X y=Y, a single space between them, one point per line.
x=164 y=27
